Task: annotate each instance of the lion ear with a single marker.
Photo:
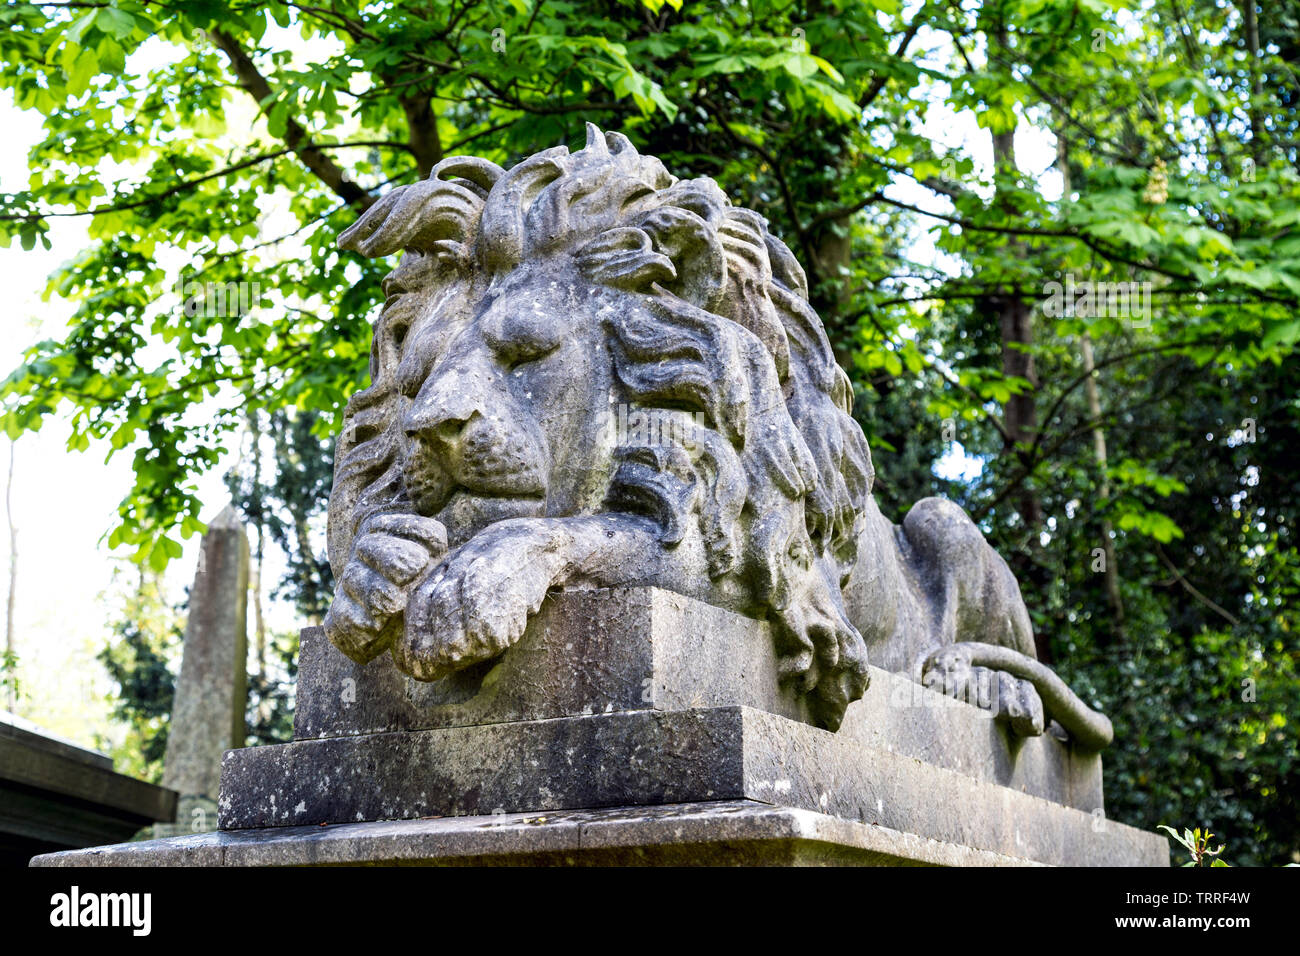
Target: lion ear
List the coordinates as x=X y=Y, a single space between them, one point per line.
x=427 y=215
x=692 y=245
x=501 y=226
x=625 y=259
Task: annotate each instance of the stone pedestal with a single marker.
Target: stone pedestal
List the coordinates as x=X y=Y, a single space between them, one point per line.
x=721 y=833
x=641 y=726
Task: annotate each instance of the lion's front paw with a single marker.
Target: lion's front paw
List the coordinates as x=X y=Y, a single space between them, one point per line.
x=477 y=603
x=369 y=601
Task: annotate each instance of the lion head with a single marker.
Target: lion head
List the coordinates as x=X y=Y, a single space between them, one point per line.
x=533 y=307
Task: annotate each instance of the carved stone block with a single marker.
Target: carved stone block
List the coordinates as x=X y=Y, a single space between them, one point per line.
x=602 y=651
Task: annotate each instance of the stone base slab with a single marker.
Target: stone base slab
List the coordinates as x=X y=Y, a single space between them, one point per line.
x=653 y=758
x=631 y=650
x=723 y=833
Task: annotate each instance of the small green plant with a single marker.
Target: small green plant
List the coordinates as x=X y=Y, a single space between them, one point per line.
x=1197 y=843
x=10 y=689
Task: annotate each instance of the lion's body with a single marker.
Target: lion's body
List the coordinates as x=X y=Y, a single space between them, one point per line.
x=533 y=310
x=930 y=582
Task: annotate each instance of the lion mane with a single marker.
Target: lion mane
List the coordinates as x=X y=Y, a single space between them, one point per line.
x=768 y=464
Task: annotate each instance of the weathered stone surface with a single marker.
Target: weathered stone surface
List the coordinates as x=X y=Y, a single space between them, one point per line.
x=211 y=691
x=589 y=373
x=201 y=849
x=587 y=651
x=723 y=833
x=599 y=651
x=651 y=758
x=646 y=757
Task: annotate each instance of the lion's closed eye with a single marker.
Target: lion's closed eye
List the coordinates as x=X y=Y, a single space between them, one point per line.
x=522 y=336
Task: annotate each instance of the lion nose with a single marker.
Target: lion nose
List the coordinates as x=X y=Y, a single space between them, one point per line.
x=441 y=412
x=451 y=401
x=436 y=426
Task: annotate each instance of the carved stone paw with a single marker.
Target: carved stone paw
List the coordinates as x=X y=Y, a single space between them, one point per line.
x=477 y=602
x=823 y=651
x=1002 y=695
x=391 y=551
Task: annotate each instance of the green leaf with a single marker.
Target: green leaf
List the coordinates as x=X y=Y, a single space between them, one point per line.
x=1283 y=333
x=112 y=58
x=1131 y=231
x=800 y=65
x=1185 y=842
x=116 y=22
x=83 y=71
x=79 y=27
x=828 y=69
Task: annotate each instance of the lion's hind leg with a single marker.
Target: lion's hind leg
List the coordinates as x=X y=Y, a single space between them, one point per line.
x=971 y=596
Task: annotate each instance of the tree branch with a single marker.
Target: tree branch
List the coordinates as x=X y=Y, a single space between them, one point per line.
x=1187 y=586
x=297 y=138
x=191 y=183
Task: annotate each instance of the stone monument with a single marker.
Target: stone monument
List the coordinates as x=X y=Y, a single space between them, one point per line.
x=207 y=716
x=612 y=586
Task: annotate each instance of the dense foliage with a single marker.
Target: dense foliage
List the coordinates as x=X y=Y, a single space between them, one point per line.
x=1106 y=325
x=141 y=662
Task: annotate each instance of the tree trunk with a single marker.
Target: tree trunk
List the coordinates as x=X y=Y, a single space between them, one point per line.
x=834 y=248
x=1111 y=570
x=1016 y=325
x=1015 y=318
x=1099 y=451
x=259 y=621
x=422 y=133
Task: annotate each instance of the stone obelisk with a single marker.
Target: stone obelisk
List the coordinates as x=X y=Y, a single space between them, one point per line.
x=211 y=692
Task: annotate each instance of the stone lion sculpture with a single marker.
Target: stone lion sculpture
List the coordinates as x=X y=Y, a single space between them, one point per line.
x=588 y=373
